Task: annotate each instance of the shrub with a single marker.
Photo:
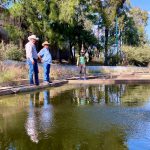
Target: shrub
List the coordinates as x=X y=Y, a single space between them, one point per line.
x=13 y=52
x=10 y=51
x=2 y=51
x=139 y=56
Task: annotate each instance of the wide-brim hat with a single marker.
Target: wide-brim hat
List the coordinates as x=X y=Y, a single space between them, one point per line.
x=33 y=37
x=45 y=43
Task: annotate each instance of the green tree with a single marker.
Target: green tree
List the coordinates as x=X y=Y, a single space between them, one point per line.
x=134 y=29
x=108 y=12
x=69 y=23
x=60 y=22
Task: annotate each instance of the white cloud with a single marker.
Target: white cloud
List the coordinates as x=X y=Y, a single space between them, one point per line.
x=149 y=12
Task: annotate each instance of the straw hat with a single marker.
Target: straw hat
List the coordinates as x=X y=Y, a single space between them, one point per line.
x=45 y=43
x=33 y=37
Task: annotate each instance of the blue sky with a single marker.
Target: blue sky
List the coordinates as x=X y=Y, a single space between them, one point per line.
x=144 y=5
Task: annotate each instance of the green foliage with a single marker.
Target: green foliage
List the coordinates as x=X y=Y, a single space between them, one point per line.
x=13 y=52
x=67 y=10
x=10 y=51
x=14 y=33
x=134 y=29
x=134 y=94
x=69 y=23
x=139 y=56
x=2 y=51
x=108 y=11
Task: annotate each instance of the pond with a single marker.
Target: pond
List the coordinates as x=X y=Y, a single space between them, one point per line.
x=101 y=117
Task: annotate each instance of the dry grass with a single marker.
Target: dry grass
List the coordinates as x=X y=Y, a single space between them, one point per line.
x=120 y=70
x=59 y=72
x=11 y=73
x=19 y=72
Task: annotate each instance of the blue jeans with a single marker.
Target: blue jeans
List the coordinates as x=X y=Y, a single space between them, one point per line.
x=46 y=70
x=33 y=70
x=46 y=94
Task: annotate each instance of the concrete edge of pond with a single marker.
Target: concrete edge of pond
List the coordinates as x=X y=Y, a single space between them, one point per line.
x=24 y=87
x=110 y=81
x=28 y=88
x=17 y=83
x=91 y=80
x=103 y=76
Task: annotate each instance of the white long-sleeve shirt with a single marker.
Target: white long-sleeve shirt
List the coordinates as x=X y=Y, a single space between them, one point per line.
x=31 y=52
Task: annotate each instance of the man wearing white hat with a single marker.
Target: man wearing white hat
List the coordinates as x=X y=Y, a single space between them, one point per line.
x=31 y=55
x=46 y=59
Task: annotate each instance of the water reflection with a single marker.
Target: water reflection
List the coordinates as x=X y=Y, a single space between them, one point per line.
x=84 y=117
x=111 y=95
x=39 y=120
x=102 y=94
x=81 y=96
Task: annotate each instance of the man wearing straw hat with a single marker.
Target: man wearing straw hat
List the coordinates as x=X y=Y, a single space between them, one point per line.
x=46 y=59
x=31 y=55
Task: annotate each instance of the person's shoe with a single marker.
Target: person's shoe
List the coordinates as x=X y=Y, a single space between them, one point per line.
x=50 y=82
x=80 y=78
x=37 y=84
x=46 y=83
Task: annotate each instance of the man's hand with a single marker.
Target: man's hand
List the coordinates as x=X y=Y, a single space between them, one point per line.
x=40 y=58
x=33 y=62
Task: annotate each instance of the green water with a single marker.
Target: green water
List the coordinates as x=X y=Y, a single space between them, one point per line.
x=115 y=117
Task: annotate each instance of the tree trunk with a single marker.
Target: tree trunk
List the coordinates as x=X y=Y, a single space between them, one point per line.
x=20 y=43
x=106 y=46
x=106 y=94
x=3 y=46
x=72 y=53
x=58 y=57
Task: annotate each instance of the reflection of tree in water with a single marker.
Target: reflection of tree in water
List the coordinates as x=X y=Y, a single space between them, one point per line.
x=136 y=95
x=40 y=116
x=81 y=95
x=98 y=94
x=111 y=94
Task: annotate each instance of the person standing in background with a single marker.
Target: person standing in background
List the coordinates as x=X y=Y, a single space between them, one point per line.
x=46 y=58
x=81 y=62
x=31 y=56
